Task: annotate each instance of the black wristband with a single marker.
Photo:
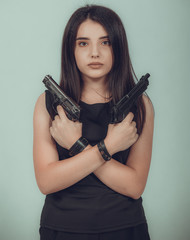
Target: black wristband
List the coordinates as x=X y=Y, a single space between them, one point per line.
x=78 y=146
x=102 y=148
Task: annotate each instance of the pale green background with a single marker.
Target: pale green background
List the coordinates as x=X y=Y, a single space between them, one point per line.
x=30 y=43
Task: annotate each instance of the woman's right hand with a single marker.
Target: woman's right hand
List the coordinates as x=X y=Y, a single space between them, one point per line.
x=122 y=135
x=64 y=131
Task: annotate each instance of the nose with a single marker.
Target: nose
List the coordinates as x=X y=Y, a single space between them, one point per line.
x=94 y=51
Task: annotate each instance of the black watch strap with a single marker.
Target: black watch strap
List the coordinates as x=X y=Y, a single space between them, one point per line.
x=102 y=148
x=78 y=146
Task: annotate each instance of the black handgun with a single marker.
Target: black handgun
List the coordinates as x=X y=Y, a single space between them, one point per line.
x=72 y=109
x=122 y=108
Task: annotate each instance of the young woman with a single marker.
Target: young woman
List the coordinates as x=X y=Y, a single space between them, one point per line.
x=96 y=192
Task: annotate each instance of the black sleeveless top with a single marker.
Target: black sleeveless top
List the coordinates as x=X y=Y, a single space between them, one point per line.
x=89 y=206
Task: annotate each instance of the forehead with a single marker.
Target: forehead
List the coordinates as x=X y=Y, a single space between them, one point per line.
x=91 y=28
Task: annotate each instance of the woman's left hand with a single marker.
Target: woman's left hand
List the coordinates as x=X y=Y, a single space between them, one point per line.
x=64 y=131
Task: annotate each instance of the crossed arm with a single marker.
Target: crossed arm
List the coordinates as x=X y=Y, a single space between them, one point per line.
x=53 y=175
x=130 y=179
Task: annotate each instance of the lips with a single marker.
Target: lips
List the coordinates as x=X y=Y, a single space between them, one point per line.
x=95 y=65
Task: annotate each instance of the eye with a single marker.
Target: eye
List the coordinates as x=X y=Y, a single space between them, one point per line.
x=82 y=44
x=106 y=43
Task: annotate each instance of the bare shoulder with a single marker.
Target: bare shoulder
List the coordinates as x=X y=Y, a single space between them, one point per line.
x=42 y=139
x=148 y=107
x=41 y=115
x=40 y=103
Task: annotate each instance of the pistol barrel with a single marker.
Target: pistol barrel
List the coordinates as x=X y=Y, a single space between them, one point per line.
x=122 y=108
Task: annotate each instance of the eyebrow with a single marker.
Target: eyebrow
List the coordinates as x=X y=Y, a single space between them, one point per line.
x=85 y=38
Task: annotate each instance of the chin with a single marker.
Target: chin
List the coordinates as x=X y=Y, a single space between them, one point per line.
x=94 y=76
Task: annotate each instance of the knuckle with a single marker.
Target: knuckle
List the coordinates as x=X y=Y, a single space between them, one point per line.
x=131 y=129
x=55 y=122
x=56 y=117
x=50 y=129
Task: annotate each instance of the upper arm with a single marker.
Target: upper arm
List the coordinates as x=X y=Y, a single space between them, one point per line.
x=140 y=153
x=44 y=148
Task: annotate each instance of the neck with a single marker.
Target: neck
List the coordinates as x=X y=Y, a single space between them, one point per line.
x=95 y=90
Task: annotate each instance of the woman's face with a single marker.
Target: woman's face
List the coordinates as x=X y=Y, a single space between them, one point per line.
x=93 y=52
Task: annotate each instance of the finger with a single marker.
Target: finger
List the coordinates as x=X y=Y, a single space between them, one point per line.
x=56 y=117
x=129 y=117
x=136 y=137
x=51 y=131
x=133 y=123
x=61 y=112
x=134 y=129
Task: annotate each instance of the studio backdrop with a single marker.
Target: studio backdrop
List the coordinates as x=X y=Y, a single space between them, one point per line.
x=30 y=47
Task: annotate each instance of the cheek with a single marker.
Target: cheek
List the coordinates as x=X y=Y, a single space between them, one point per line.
x=80 y=54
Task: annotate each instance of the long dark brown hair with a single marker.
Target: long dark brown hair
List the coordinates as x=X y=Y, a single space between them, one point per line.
x=121 y=78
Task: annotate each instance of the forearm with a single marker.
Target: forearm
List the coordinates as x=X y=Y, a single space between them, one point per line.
x=59 y=175
x=130 y=179
x=120 y=178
